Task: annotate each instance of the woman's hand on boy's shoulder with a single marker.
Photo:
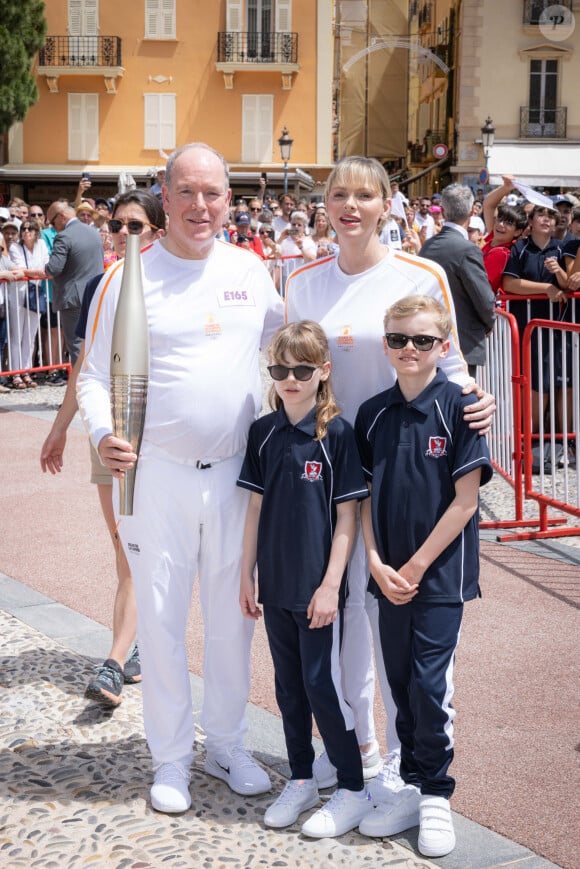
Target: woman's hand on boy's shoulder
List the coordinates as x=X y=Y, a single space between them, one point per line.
x=479 y=415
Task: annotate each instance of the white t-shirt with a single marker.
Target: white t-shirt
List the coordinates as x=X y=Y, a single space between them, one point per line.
x=390 y=235
x=426 y=222
x=207 y=321
x=350 y=309
x=290 y=248
x=279 y=224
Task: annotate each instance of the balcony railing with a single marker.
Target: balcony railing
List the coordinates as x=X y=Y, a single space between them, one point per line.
x=237 y=47
x=84 y=51
x=534 y=8
x=542 y=123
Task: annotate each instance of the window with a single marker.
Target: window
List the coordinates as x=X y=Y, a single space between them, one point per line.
x=159 y=121
x=543 y=96
x=83 y=29
x=160 y=19
x=83 y=126
x=257 y=125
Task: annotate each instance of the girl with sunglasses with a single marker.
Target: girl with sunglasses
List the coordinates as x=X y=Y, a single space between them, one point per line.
x=141 y=213
x=305 y=477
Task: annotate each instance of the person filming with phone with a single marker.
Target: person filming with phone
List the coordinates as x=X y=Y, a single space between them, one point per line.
x=293 y=241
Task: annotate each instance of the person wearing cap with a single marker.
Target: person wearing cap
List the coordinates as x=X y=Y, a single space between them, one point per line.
x=505 y=222
x=562 y=231
x=10 y=230
x=246 y=233
x=86 y=213
x=463 y=263
x=476 y=230
x=436 y=213
x=103 y=211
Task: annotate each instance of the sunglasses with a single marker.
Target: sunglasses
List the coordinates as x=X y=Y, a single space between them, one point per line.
x=36 y=214
x=134 y=227
x=255 y=209
x=27 y=229
x=396 y=341
x=300 y=372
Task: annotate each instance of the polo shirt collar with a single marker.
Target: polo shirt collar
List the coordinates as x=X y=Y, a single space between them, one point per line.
x=306 y=425
x=424 y=401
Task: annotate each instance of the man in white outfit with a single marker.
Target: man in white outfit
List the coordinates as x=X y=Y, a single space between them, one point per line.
x=211 y=306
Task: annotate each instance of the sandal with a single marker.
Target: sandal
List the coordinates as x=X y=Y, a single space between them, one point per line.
x=17 y=382
x=29 y=382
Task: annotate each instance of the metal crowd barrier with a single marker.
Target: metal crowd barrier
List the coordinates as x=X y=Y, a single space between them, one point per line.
x=512 y=441
x=28 y=344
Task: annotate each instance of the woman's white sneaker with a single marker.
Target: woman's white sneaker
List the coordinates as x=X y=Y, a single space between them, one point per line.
x=298 y=796
x=388 y=781
x=436 y=833
x=343 y=812
x=391 y=818
x=239 y=771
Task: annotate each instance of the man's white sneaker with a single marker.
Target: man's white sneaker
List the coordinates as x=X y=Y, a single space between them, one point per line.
x=239 y=771
x=170 y=789
x=436 y=834
x=391 y=818
x=343 y=812
x=325 y=773
x=388 y=781
x=297 y=796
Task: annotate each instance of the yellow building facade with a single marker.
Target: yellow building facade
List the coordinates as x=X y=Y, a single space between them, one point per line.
x=123 y=83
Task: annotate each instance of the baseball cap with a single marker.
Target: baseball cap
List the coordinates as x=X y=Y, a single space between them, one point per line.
x=243 y=218
x=511 y=199
x=4 y=214
x=559 y=200
x=100 y=200
x=476 y=222
x=12 y=221
x=436 y=196
x=435 y=209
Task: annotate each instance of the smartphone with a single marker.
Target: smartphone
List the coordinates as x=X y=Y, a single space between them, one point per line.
x=294 y=231
x=264 y=176
x=86 y=176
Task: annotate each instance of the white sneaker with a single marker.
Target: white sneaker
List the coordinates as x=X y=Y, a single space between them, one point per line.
x=325 y=773
x=170 y=789
x=343 y=812
x=239 y=771
x=436 y=834
x=297 y=796
x=391 y=818
x=388 y=781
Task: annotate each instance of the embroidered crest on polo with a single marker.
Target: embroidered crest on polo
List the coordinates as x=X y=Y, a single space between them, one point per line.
x=437 y=447
x=312 y=471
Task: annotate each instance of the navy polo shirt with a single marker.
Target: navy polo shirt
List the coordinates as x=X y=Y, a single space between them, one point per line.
x=301 y=480
x=527 y=261
x=571 y=249
x=413 y=452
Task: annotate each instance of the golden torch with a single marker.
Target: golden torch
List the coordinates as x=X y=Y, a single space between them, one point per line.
x=130 y=366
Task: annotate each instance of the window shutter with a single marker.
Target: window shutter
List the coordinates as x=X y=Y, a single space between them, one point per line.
x=257 y=119
x=83 y=126
x=160 y=19
x=83 y=17
x=283 y=16
x=168 y=29
x=75 y=17
x=91 y=17
x=234 y=16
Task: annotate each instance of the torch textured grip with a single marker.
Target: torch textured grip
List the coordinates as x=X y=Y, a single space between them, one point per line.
x=128 y=406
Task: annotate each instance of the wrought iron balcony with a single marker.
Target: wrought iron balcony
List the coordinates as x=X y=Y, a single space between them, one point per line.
x=534 y=8
x=542 y=123
x=250 y=48
x=80 y=51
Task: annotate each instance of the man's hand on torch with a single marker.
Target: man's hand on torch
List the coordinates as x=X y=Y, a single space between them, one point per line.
x=116 y=454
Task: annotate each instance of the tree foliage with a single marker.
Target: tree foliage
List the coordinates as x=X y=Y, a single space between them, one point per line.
x=22 y=34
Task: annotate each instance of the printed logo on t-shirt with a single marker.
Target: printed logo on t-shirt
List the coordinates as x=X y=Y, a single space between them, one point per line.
x=345 y=340
x=437 y=447
x=212 y=328
x=312 y=471
x=235 y=298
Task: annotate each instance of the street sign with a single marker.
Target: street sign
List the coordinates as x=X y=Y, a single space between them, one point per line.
x=483 y=176
x=440 y=150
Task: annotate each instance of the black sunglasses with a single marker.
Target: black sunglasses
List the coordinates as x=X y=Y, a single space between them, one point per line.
x=396 y=341
x=300 y=372
x=134 y=227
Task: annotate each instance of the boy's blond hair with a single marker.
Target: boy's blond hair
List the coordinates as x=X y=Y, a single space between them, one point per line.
x=306 y=342
x=416 y=304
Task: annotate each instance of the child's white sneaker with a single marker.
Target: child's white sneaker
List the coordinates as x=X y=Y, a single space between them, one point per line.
x=343 y=812
x=436 y=833
x=325 y=773
x=297 y=796
x=391 y=818
x=388 y=781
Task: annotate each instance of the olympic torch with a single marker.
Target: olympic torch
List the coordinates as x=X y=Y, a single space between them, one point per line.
x=130 y=366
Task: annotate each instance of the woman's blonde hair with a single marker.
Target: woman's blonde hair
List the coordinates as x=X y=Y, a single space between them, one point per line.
x=417 y=304
x=306 y=342
x=360 y=170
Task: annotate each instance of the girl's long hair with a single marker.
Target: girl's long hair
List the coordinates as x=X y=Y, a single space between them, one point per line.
x=306 y=343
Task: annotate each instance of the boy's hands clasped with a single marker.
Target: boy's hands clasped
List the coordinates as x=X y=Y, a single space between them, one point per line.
x=393 y=584
x=323 y=608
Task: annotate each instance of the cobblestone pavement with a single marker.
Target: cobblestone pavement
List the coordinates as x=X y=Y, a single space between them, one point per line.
x=75 y=780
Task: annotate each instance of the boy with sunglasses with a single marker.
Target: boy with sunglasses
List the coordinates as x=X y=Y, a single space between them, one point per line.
x=421 y=533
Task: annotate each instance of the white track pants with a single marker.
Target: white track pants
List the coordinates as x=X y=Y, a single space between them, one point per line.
x=189 y=522
x=356 y=659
